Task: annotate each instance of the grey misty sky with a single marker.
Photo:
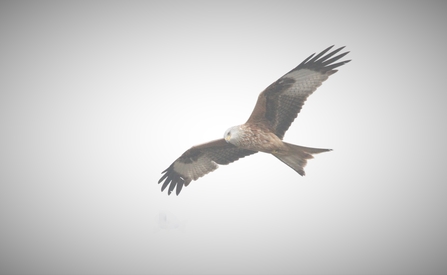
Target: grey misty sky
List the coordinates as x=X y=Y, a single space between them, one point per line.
x=98 y=98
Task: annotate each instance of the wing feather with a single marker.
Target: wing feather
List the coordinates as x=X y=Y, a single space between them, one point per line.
x=279 y=104
x=199 y=161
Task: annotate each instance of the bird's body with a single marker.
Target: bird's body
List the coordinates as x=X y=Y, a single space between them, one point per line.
x=255 y=137
x=277 y=106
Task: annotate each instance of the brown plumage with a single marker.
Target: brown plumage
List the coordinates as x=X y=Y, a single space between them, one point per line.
x=277 y=107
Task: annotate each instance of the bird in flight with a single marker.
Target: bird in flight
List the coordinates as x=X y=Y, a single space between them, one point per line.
x=277 y=107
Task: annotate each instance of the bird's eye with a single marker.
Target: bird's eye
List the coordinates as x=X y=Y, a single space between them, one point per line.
x=228 y=135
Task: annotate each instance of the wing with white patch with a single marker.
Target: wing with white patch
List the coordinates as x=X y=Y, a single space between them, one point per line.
x=280 y=103
x=199 y=161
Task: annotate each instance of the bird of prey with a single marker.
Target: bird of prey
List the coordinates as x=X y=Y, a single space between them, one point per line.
x=277 y=107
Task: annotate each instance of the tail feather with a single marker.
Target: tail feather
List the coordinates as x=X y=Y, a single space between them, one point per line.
x=296 y=156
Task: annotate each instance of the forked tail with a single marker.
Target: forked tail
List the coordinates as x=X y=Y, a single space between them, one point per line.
x=296 y=156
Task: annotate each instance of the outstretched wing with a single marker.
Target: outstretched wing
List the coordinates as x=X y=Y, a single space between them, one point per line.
x=279 y=104
x=199 y=161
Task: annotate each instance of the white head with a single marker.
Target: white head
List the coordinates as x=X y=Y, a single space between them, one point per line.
x=233 y=135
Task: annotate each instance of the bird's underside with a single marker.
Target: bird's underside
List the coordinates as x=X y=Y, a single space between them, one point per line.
x=275 y=110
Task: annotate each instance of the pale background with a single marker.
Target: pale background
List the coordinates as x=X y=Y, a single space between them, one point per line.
x=97 y=98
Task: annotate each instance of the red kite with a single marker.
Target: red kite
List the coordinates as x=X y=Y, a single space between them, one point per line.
x=277 y=107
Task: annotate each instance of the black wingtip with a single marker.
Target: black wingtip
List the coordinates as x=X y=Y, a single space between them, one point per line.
x=321 y=54
x=172 y=179
x=178 y=189
x=324 y=61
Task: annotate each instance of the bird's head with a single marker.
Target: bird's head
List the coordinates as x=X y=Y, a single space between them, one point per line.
x=232 y=135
